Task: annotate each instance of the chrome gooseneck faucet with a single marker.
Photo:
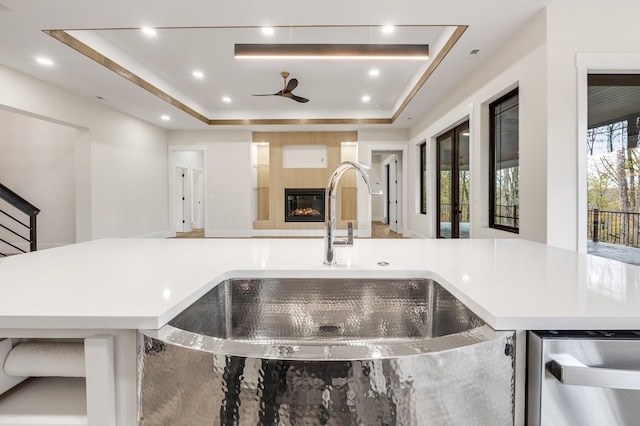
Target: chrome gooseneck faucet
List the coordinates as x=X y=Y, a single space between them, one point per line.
x=330 y=241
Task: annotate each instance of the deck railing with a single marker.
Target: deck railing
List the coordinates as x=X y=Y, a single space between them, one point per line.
x=507 y=215
x=620 y=228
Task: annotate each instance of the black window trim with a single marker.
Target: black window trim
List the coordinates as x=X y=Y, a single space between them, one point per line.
x=492 y=164
x=423 y=172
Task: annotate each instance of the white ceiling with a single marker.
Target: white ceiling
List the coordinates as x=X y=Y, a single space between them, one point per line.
x=200 y=34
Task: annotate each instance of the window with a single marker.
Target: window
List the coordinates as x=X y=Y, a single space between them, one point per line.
x=613 y=162
x=423 y=177
x=503 y=186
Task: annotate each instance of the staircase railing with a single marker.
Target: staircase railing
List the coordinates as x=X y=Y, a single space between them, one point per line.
x=14 y=227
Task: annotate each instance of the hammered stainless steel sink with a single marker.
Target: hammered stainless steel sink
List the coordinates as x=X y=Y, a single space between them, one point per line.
x=319 y=310
x=326 y=351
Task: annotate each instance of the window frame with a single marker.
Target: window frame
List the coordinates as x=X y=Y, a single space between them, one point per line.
x=423 y=177
x=492 y=165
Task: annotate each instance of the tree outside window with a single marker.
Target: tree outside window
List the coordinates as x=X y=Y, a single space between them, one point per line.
x=613 y=175
x=423 y=177
x=505 y=161
x=613 y=159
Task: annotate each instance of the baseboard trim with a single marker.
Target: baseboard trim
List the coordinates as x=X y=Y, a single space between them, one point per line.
x=227 y=233
x=288 y=233
x=412 y=234
x=162 y=234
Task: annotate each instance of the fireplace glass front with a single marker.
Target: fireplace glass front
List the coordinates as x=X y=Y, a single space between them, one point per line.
x=304 y=204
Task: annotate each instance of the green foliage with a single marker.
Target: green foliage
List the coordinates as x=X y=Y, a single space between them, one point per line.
x=613 y=174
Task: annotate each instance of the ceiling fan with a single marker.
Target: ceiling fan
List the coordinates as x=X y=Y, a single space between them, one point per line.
x=287 y=89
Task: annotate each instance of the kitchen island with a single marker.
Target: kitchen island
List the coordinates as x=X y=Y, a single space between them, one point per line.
x=115 y=287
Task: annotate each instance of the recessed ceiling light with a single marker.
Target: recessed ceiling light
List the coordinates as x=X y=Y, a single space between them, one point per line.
x=44 y=61
x=150 y=32
x=165 y=117
x=226 y=99
x=366 y=98
x=198 y=74
x=388 y=29
x=267 y=31
x=374 y=72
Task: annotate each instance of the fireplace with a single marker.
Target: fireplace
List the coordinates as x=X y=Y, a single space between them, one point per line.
x=304 y=204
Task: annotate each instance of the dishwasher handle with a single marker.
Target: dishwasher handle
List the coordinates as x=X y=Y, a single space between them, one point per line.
x=570 y=371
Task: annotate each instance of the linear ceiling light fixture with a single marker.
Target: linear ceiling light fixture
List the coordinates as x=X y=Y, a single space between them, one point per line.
x=332 y=51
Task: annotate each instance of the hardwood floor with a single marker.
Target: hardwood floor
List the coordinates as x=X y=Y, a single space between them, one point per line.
x=195 y=233
x=378 y=230
x=381 y=230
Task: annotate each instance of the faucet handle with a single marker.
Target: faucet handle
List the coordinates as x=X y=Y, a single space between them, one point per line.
x=344 y=242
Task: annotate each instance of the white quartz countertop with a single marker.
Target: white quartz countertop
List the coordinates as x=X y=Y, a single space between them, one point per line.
x=143 y=283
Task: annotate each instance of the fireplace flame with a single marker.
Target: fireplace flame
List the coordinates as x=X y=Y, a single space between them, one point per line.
x=306 y=212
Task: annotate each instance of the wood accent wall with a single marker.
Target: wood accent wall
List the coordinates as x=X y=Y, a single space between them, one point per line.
x=273 y=178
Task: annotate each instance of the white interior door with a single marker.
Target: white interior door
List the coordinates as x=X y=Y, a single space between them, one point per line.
x=197 y=199
x=393 y=170
x=180 y=199
x=187 y=168
x=386 y=194
x=392 y=184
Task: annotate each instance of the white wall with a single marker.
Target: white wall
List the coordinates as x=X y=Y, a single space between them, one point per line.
x=520 y=63
x=377 y=141
x=129 y=180
x=120 y=161
x=37 y=161
x=229 y=179
x=230 y=198
x=190 y=159
x=542 y=61
x=188 y=206
x=595 y=27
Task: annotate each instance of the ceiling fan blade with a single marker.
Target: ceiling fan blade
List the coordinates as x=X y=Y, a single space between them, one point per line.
x=293 y=83
x=270 y=94
x=298 y=98
x=286 y=91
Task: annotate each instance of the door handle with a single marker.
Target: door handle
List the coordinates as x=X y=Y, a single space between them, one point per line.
x=570 y=371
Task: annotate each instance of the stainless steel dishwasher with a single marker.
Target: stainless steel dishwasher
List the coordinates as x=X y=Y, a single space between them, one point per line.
x=583 y=378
